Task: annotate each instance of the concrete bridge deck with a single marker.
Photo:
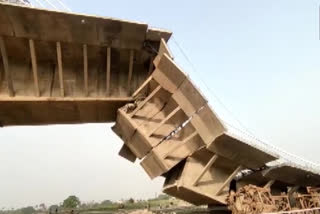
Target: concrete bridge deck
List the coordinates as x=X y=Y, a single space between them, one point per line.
x=70 y=68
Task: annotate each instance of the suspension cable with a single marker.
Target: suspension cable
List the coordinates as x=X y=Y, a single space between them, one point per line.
x=40 y=3
x=247 y=132
x=207 y=87
x=64 y=5
x=52 y=5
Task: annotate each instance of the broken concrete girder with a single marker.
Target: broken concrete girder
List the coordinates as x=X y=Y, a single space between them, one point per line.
x=164 y=109
x=172 y=122
x=178 y=135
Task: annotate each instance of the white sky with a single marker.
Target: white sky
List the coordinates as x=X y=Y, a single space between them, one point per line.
x=49 y=163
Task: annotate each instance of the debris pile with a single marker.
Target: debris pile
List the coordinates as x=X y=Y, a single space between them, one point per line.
x=251 y=199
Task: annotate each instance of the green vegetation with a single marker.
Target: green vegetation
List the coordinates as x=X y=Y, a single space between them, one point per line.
x=73 y=202
x=162 y=201
x=24 y=210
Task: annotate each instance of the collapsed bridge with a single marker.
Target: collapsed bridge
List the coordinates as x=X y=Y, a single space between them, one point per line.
x=63 y=68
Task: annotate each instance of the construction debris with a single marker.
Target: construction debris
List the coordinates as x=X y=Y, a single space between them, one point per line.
x=251 y=199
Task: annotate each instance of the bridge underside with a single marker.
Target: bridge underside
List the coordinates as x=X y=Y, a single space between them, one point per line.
x=70 y=68
x=59 y=111
x=59 y=68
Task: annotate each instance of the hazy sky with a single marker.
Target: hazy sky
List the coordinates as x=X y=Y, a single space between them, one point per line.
x=261 y=58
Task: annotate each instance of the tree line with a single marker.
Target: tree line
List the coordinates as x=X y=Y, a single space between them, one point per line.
x=73 y=203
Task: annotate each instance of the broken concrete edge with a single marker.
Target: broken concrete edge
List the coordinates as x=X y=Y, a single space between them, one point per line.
x=180 y=71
